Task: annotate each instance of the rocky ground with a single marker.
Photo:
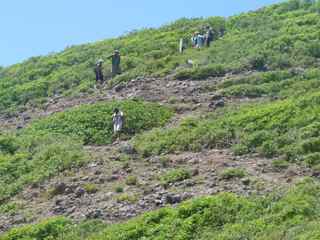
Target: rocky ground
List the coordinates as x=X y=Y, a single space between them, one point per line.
x=118 y=184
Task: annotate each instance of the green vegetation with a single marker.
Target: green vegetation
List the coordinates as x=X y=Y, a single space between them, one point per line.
x=90 y=188
x=132 y=180
x=230 y=173
x=280 y=164
x=119 y=189
x=273 y=38
x=282 y=84
x=128 y=198
x=93 y=123
x=54 y=144
x=55 y=228
x=29 y=159
x=294 y=215
x=175 y=175
x=275 y=54
x=285 y=127
x=149 y=52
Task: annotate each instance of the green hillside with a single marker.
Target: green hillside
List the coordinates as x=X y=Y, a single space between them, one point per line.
x=278 y=37
x=266 y=64
x=294 y=215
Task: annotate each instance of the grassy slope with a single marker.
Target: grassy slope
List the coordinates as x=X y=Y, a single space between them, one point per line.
x=54 y=144
x=294 y=215
x=146 y=52
x=275 y=39
x=285 y=45
x=272 y=38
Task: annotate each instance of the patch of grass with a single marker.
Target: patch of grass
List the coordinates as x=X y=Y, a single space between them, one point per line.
x=119 y=189
x=132 y=180
x=231 y=173
x=128 y=198
x=286 y=127
x=280 y=164
x=175 y=175
x=93 y=123
x=201 y=72
x=10 y=208
x=90 y=188
x=37 y=158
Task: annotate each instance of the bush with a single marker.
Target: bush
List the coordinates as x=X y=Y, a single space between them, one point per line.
x=280 y=164
x=175 y=175
x=38 y=158
x=90 y=188
x=127 y=198
x=93 y=123
x=231 y=173
x=201 y=72
x=119 y=189
x=132 y=180
x=49 y=229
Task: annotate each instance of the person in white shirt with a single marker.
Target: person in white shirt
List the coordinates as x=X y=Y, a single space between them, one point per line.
x=118 y=120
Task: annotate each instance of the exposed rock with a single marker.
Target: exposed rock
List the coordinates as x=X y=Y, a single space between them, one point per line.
x=79 y=192
x=94 y=214
x=246 y=181
x=127 y=149
x=59 y=188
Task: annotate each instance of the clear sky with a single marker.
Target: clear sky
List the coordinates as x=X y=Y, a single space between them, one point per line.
x=38 y=27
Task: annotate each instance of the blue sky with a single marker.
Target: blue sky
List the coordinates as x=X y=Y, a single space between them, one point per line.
x=38 y=27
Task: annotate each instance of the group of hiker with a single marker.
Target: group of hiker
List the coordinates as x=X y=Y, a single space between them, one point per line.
x=118 y=116
x=115 y=69
x=198 y=40
x=202 y=38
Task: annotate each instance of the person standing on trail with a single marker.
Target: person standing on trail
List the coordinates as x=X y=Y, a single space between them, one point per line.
x=200 y=40
x=208 y=36
x=194 y=40
x=117 y=120
x=99 y=71
x=115 y=59
x=182 y=45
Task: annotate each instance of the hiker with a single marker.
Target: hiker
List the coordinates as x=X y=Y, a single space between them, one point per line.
x=200 y=40
x=115 y=59
x=208 y=36
x=118 y=120
x=194 y=40
x=99 y=72
x=182 y=45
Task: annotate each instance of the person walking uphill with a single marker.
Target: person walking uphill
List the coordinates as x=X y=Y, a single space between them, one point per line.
x=116 y=60
x=117 y=120
x=99 y=72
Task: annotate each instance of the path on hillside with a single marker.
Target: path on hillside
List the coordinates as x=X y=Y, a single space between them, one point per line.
x=185 y=96
x=91 y=192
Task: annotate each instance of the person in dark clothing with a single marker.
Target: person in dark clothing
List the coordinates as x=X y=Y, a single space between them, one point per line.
x=208 y=37
x=99 y=72
x=116 y=60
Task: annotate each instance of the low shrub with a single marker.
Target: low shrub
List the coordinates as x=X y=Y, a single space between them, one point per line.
x=231 y=173
x=90 y=188
x=175 y=175
x=93 y=123
x=132 y=180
